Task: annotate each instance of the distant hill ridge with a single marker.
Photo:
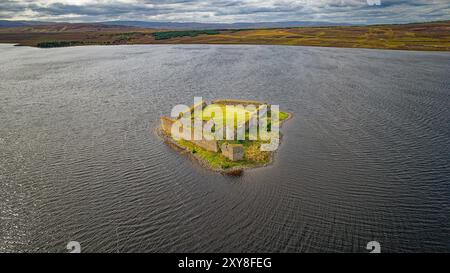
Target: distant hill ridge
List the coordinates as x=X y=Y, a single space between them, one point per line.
x=179 y=25
x=194 y=25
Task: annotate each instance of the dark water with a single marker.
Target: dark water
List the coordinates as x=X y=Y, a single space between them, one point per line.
x=366 y=157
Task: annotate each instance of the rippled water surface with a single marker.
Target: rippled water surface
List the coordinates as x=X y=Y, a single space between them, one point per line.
x=366 y=157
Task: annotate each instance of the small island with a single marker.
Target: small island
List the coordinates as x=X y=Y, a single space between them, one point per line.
x=230 y=157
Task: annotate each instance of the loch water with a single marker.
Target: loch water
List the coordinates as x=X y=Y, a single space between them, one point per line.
x=365 y=158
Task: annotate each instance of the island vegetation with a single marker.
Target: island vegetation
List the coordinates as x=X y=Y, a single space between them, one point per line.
x=213 y=156
x=253 y=156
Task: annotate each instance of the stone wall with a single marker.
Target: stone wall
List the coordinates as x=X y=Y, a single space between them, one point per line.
x=238 y=102
x=166 y=125
x=234 y=152
x=209 y=145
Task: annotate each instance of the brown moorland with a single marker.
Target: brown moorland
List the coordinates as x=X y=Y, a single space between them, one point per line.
x=433 y=36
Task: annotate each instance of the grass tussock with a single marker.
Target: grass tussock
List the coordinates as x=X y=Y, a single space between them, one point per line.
x=253 y=153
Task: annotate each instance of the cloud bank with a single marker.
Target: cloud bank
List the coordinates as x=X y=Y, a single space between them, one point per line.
x=227 y=11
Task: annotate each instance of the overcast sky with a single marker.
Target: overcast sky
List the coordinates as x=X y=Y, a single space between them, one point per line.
x=227 y=11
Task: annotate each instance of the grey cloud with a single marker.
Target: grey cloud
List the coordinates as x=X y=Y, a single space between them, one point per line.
x=357 y=11
x=58 y=9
